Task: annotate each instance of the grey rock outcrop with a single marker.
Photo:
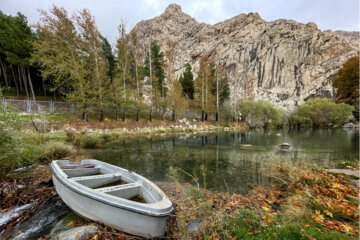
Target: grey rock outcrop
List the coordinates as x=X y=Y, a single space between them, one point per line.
x=283 y=61
x=84 y=232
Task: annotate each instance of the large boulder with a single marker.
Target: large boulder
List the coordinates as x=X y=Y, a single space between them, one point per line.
x=78 y=233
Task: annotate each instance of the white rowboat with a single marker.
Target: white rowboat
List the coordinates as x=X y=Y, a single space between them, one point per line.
x=112 y=195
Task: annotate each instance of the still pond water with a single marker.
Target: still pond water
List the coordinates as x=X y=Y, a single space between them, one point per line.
x=228 y=162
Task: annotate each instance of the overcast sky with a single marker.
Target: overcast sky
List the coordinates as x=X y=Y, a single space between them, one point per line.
x=327 y=14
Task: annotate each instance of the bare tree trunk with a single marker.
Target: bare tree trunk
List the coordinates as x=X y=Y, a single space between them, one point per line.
x=85 y=114
x=150 y=116
x=124 y=114
x=163 y=114
x=24 y=81
x=43 y=83
x=30 y=84
x=3 y=66
x=206 y=117
x=34 y=125
x=137 y=115
x=19 y=79
x=125 y=98
x=151 y=86
x=173 y=116
x=15 y=80
x=217 y=100
x=202 y=115
x=101 y=115
x=117 y=113
x=137 y=87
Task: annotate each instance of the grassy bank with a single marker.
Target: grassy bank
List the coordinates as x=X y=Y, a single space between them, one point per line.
x=60 y=136
x=303 y=203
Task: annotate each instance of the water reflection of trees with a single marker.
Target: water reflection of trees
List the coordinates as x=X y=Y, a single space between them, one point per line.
x=228 y=166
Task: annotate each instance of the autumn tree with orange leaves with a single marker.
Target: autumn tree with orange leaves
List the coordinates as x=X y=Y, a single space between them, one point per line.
x=347 y=84
x=174 y=99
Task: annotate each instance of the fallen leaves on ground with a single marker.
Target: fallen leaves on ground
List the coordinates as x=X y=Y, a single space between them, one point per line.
x=332 y=198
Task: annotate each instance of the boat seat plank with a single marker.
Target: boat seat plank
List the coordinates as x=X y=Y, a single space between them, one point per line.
x=126 y=191
x=77 y=166
x=81 y=171
x=97 y=180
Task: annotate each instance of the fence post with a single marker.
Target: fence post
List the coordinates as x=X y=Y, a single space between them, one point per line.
x=52 y=107
x=72 y=107
x=28 y=106
x=4 y=103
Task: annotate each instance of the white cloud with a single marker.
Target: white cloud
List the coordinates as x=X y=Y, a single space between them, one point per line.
x=328 y=14
x=208 y=11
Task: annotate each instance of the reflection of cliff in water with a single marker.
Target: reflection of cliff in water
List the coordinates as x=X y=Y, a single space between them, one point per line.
x=227 y=161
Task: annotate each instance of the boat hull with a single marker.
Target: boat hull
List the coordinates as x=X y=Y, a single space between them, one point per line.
x=115 y=217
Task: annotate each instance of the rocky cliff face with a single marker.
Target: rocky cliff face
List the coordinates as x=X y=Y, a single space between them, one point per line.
x=283 y=61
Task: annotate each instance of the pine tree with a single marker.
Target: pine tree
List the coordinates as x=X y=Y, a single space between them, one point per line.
x=109 y=58
x=157 y=65
x=187 y=82
x=15 y=51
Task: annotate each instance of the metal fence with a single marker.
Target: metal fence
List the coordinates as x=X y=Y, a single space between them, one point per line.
x=44 y=107
x=56 y=107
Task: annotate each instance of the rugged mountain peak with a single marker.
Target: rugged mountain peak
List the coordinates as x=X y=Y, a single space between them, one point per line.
x=173 y=9
x=283 y=61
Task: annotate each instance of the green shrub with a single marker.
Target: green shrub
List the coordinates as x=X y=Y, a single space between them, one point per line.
x=56 y=150
x=29 y=154
x=226 y=112
x=320 y=112
x=107 y=136
x=261 y=113
x=89 y=141
x=73 y=136
x=9 y=155
x=35 y=137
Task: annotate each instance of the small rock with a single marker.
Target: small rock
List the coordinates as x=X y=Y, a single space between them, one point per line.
x=284 y=146
x=349 y=125
x=194 y=226
x=245 y=145
x=194 y=120
x=24 y=169
x=63 y=224
x=81 y=233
